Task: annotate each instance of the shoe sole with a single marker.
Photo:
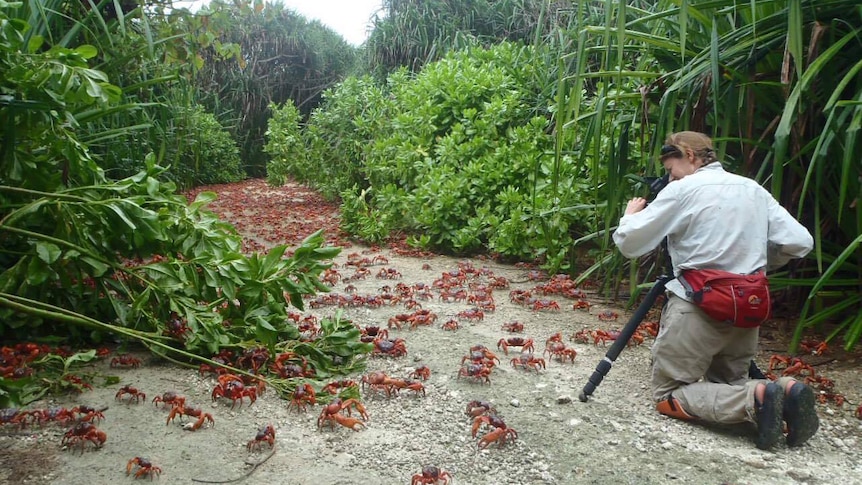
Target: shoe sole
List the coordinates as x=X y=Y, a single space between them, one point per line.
x=770 y=417
x=800 y=414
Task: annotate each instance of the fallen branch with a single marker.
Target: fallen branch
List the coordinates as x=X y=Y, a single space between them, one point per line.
x=242 y=477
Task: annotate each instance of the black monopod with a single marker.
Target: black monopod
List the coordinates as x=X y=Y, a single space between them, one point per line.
x=622 y=340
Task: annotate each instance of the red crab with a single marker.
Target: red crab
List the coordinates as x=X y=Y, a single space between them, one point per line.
x=232 y=387
x=481 y=356
x=476 y=371
x=451 y=325
x=193 y=412
x=331 y=277
x=125 y=360
x=527 y=361
x=144 y=467
x=422 y=371
x=500 y=434
x=472 y=314
x=603 y=336
x=170 y=397
x=514 y=327
x=388 y=273
x=376 y=380
x=389 y=348
x=302 y=395
x=253 y=358
x=478 y=408
x=430 y=476
x=561 y=352
x=397 y=384
x=56 y=414
x=19 y=417
x=608 y=315
x=332 y=413
x=265 y=434
x=422 y=317
x=223 y=358
x=412 y=304
x=581 y=304
x=176 y=327
x=545 y=304
x=399 y=319
x=287 y=370
x=88 y=413
x=132 y=392
x=526 y=344
x=82 y=433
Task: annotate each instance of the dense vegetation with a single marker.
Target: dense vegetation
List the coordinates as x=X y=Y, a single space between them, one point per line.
x=515 y=127
x=89 y=207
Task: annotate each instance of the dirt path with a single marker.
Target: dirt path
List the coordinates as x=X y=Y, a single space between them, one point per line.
x=616 y=437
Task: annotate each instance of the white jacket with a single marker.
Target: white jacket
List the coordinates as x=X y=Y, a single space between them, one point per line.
x=714 y=219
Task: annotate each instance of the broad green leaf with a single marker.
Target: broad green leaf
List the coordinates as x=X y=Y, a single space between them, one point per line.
x=99 y=268
x=37 y=272
x=48 y=252
x=87 y=51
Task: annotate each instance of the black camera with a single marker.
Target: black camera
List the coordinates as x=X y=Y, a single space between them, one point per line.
x=656 y=184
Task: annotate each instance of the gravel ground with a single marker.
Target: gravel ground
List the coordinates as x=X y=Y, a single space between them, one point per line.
x=616 y=437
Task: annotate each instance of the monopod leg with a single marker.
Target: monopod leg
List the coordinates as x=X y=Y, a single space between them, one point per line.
x=622 y=340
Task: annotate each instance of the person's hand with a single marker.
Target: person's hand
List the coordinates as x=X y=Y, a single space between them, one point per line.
x=635 y=205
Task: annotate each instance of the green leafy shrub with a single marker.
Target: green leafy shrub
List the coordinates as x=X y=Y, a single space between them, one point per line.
x=285 y=146
x=461 y=157
x=83 y=257
x=340 y=133
x=457 y=156
x=207 y=150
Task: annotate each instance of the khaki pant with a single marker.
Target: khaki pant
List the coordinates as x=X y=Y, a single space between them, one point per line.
x=704 y=364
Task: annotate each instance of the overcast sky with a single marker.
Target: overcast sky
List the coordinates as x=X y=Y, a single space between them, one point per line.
x=350 y=18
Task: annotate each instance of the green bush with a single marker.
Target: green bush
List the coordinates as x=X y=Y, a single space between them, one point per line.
x=458 y=163
x=206 y=150
x=285 y=146
x=458 y=156
x=341 y=131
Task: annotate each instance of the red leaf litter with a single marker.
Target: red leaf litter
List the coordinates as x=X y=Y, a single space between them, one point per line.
x=268 y=216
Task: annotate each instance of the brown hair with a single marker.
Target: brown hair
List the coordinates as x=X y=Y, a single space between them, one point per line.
x=695 y=141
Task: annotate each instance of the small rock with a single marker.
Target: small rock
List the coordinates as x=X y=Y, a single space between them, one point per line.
x=614 y=442
x=417 y=358
x=574 y=422
x=755 y=463
x=515 y=403
x=799 y=475
x=829 y=411
x=564 y=399
x=667 y=445
x=838 y=442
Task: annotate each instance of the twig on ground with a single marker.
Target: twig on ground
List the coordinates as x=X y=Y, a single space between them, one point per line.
x=243 y=476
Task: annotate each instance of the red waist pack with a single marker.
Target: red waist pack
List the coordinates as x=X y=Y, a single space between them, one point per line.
x=736 y=299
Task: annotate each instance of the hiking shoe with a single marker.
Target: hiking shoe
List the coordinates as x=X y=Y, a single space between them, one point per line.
x=800 y=414
x=769 y=416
